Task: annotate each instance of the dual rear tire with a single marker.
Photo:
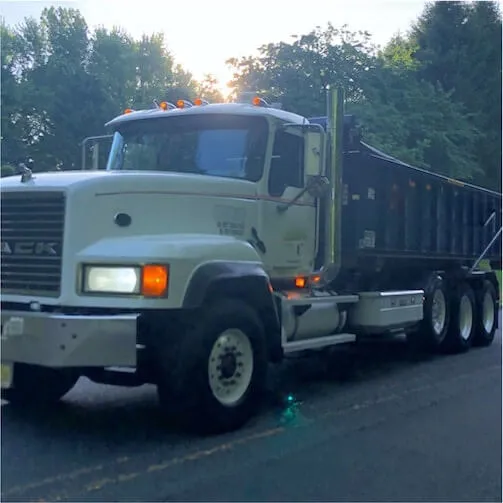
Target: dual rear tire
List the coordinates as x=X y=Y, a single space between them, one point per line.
x=487 y=315
x=456 y=321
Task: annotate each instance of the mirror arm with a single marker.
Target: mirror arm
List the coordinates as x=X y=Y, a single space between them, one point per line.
x=281 y=208
x=317 y=186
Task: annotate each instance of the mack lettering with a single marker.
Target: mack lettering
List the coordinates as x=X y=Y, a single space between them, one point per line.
x=30 y=248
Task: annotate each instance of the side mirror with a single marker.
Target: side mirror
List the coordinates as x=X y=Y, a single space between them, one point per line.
x=313 y=153
x=317 y=186
x=314 y=147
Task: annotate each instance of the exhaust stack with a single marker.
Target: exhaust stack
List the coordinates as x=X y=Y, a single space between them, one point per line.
x=332 y=204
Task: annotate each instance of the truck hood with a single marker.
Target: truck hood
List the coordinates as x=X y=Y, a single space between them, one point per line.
x=131 y=182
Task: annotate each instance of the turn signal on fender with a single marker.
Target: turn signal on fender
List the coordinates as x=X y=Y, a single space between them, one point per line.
x=154 y=281
x=300 y=282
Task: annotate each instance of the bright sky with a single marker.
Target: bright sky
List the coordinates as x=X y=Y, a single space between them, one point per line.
x=202 y=36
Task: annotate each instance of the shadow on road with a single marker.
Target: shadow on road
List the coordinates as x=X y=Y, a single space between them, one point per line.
x=134 y=417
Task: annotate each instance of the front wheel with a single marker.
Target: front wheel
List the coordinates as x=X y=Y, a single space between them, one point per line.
x=38 y=386
x=213 y=379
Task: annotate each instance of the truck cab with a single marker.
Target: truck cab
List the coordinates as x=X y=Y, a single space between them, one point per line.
x=227 y=168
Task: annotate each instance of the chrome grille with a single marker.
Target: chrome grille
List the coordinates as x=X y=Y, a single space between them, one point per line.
x=32 y=226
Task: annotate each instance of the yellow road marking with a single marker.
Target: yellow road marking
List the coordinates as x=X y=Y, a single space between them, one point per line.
x=62 y=477
x=99 y=484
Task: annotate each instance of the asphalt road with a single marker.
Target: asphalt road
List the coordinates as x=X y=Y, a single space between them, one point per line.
x=400 y=430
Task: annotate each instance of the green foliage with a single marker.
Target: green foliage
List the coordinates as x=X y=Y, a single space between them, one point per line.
x=431 y=97
x=207 y=89
x=297 y=74
x=417 y=122
x=7 y=170
x=13 y=123
x=459 y=46
x=400 y=53
x=62 y=83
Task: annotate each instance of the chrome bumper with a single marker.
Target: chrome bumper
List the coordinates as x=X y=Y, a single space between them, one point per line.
x=56 y=340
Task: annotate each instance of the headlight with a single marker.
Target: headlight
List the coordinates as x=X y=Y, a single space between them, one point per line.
x=149 y=280
x=112 y=279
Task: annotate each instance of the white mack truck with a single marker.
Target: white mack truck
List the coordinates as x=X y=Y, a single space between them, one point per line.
x=223 y=237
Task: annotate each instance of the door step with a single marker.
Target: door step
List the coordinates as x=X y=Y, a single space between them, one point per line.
x=318 y=343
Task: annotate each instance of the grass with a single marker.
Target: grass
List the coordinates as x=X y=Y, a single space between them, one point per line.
x=484 y=264
x=498 y=275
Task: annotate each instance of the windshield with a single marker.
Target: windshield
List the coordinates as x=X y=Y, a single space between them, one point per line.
x=218 y=145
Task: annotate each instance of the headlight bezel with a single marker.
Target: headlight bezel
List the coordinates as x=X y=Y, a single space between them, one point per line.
x=140 y=285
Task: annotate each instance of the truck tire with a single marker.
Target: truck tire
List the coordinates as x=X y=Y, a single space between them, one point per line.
x=38 y=386
x=433 y=328
x=486 y=315
x=212 y=382
x=462 y=323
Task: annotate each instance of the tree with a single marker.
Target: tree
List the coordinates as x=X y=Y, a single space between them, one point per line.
x=12 y=119
x=417 y=122
x=431 y=97
x=208 y=89
x=62 y=83
x=404 y=115
x=459 y=47
x=113 y=62
x=400 y=53
x=296 y=74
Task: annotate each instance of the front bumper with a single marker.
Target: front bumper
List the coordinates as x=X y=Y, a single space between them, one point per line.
x=56 y=340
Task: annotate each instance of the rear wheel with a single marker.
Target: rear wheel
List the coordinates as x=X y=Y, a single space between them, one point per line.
x=486 y=318
x=436 y=314
x=462 y=325
x=38 y=386
x=213 y=380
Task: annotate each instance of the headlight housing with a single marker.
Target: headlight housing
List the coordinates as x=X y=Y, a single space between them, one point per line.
x=148 y=280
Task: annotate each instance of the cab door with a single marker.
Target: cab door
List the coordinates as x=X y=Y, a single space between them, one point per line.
x=289 y=236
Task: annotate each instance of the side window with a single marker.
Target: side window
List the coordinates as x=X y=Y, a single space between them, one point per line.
x=287 y=163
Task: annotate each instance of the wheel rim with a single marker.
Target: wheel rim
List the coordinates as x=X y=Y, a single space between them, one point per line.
x=230 y=367
x=465 y=317
x=438 y=312
x=488 y=312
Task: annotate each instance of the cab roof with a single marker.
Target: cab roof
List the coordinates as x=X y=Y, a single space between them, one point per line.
x=217 y=108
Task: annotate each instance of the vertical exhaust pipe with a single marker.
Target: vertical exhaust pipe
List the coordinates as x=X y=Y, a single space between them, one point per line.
x=333 y=206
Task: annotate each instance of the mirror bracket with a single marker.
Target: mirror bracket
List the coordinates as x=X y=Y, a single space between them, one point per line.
x=317 y=186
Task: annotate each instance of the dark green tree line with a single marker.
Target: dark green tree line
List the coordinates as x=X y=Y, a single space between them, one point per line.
x=431 y=97
x=61 y=83
x=459 y=47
